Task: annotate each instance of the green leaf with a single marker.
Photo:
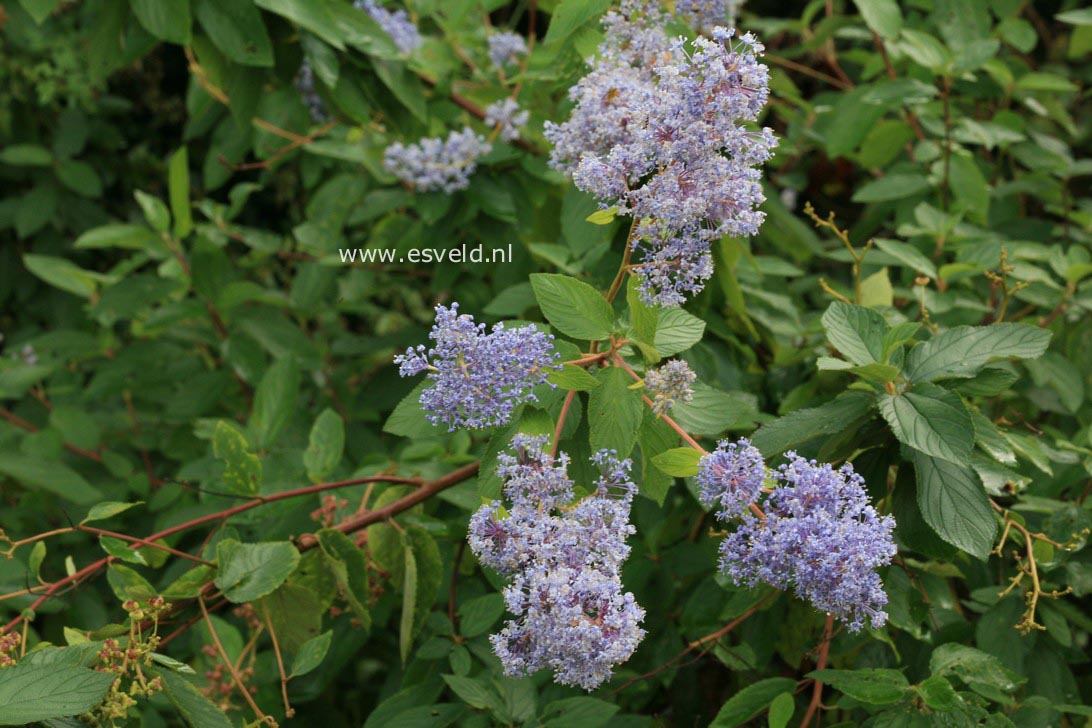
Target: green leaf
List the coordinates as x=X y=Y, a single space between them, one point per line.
x=178 y=187
x=109 y=509
x=977 y=669
x=155 y=212
x=236 y=28
x=295 y=615
x=962 y=351
x=939 y=694
x=857 y=332
x=26 y=155
x=874 y=685
x=249 y=571
x=311 y=654
x=644 y=318
x=908 y=255
x=954 y=503
x=274 y=402
x=128 y=584
x=350 y=570
x=1082 y=16
x=602 y=217
x=50 y=476
x=478 y=615
x=242 y=468
x=931 y=419
x=802 y=425
x=781 y=710
x=573 y=378
x=129 y=237
x=79 y=177
x=577 y=713
x=199 y=711
x=34 y=561
x=314 y=15
x=677 y=331
x=570 y=15
x=471 y=691
x=654 y=437
x=120 y=550
x=409 y=602
x=882 y=17
x=408 y=419
x=325 y=445
x=892 y=187
x=62 y=273
x=30 y=693
x=750 y=701
x=169 y=21
x=573 y=307
x=614 y=412
x=970 y=188
x=189 y=585
x=680 y=462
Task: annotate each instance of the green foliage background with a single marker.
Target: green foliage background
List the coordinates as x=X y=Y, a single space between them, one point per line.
x=179 y=333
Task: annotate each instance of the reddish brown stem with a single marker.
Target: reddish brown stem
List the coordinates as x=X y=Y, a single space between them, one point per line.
x=23 y=424
x=561 y=420
x=817 y=689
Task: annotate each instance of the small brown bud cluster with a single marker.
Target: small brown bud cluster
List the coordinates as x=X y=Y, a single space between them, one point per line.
x=9 y=648
x=220 y=685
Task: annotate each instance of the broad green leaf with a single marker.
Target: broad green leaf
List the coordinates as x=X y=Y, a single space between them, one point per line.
x=711 y=411
x=570 y=15
x=602 y=217
x=155 y=212
x=931 y=419
x=970 y=188
x=311 y=654
x=39 y=10
x=577 y=713
x=977 y=669
x=128 y=584
x=799 y=426
x=873 y=685
x=781 y=710
x=962 y=351
x=62 y=273
x=654 y=437
x=79 y=177
x=954 y=503
x=178 y=185
x=478 y=615
x=876 y=290
x=857 y=332
x=199 y=711
x=882 y=17
x=236 y=28
x=274 y=402
x=242 y=468
x=409 y=602
x=677 y=331
x=31 y=693
x=573 y=307
x=892 y=187
x=908 y=255
x=120 y=550
x=939 y=694
x=408 y=418
x=350 y=569
x=573 y=378
x=26 y=155
x=249 y=571
x=614 y=412
x=295 y=615
x=189 y=585
x=130 y=237
x=50 y=476
x=1081 y=16
x=680 y=462
x=644 y=318
x=109 y=509
x=34 y=561
x=314 y=15
x=325 y=445
x=750 y=701
x=169 y=21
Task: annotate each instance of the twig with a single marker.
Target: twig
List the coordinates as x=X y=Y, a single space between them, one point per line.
x=231 y=667
x=817 y=689
x=289 y=711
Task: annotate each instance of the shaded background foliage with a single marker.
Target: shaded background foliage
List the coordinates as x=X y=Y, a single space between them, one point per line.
x=179 y=330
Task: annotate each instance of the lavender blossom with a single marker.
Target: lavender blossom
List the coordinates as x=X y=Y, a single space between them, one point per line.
x=564 y=563
x=478 y=378
x=703 y=15
x=819 y=536
x=507 y=115
x=305 y=84
x=731 y=476
x=506 y=47
x=396 y=23
x=437 y=164
x=669 y=384
x=660 y=132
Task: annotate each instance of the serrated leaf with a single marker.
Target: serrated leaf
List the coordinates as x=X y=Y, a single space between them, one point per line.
x=954 y=504
x=573 y=307
x=274 y=402
x=30 y=693
x=930 y=419
x=573 y=378
x=49 y=476
x=409 y=601
x=962 y=351
x=750 y=701
x=242 y=469
x=877 y=686
x=802 y=425
x=198 y=711
x=350 y=569
x=614 y=412
x=249 y=571
x=679 y=462
x=325 y=445
x=677 y=331
x=857 y=332
x=882 y=17
x=311 y=654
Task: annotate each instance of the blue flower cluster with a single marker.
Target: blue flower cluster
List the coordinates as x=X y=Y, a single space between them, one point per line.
x=731 y=476
x=506 y=47
x=508 y=117
x=478 y=378
x=704 y=15
x=819 y=535
x=396 y=23
x=564 y=563
x=669 y=384
x=437 y=164
x=661 y=132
